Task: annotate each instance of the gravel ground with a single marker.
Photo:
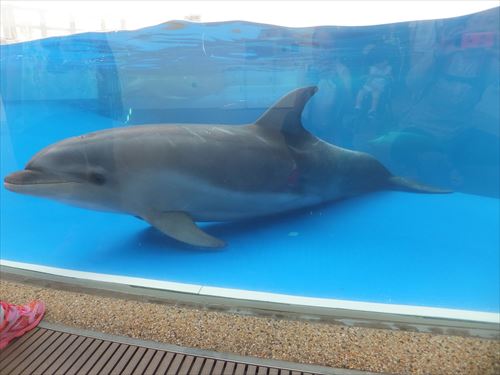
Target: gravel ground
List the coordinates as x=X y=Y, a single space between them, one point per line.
x=298 y=341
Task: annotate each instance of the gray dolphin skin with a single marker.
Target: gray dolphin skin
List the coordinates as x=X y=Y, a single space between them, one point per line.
x=174 y=175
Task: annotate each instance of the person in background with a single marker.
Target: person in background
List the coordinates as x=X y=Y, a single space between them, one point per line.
x=16 y=320
x=379 y=77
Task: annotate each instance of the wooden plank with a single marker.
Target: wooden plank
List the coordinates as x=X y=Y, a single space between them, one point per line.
x=207 y=367
x=219 y=365
x=89 y=350
x=240 y=369
x=123 y=362
x=44 y=356
x=104 y=358
x=176 y=364
x=113 y=360
x=143 y=363
x=64 y=367
x=186 y=365
x=28 y=355
x=60 y=350
x=91 y=361
x=155 y=362
x=196 y=368
x=47 y=351
x=229 y=370
x=19 y=345
x=134 y=360
x=15 y=344
x=63 y=358
x=165 y=363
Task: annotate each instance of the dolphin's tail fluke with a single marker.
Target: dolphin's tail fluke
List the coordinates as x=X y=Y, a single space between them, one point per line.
x=403 y=184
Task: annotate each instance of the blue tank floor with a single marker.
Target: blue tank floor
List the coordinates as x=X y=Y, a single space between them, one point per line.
x=388 y=247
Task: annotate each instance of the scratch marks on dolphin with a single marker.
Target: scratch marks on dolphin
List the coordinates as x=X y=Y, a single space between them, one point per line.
x=297 y=150
x=223 y=130
x=263 y=140
x=192 y=132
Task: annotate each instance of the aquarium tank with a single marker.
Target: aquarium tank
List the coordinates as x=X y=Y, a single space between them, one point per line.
x=337 y=162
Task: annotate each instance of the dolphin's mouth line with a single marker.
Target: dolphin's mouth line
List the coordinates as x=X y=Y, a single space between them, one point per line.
x=30 y=177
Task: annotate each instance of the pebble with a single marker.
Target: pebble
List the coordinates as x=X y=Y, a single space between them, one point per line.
x=306 y=342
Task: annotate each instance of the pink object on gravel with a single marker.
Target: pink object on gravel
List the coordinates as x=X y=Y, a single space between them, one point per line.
x=16 y=320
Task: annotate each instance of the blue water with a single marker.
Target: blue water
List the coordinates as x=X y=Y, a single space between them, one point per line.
x=436 y=121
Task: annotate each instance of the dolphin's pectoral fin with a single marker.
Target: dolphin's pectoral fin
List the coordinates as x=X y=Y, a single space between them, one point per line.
x=403 y=184
x=180 y=226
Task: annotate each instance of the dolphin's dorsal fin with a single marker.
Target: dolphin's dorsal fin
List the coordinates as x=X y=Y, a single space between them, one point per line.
x=285 y=115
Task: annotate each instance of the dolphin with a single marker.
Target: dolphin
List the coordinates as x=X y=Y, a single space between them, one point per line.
x=174 y=175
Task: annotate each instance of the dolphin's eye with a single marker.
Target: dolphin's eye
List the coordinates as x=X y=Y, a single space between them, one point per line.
x=97 y=178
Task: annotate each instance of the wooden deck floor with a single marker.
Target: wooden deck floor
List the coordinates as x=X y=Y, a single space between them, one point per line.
x=46 y=350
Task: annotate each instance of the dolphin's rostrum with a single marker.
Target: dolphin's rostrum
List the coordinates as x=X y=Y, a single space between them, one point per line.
x=173 y=175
